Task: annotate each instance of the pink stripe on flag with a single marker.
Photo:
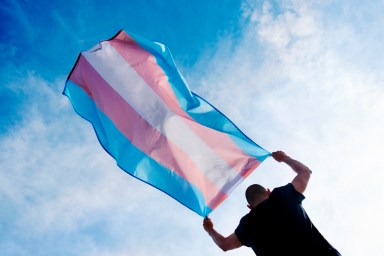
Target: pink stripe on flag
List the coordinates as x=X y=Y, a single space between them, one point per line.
x=225 y=192
x=219 y=142
x=138 y=131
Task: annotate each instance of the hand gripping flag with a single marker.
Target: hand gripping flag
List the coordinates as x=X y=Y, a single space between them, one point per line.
x=157 y=130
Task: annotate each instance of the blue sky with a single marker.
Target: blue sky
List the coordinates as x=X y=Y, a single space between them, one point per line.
x=302 y=76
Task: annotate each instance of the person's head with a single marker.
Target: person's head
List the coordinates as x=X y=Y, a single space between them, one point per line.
x=255 y=194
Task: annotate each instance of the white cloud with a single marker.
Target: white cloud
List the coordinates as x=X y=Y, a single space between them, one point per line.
x=56 y=179
x=61 y=193
x=291 y=84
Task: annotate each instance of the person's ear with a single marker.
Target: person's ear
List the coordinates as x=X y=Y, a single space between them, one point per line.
x=268 y=191
x=249 y=207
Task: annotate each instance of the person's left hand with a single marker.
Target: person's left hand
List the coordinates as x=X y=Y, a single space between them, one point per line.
x=207 y=224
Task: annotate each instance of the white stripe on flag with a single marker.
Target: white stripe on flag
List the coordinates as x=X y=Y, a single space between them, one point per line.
x=137 y=93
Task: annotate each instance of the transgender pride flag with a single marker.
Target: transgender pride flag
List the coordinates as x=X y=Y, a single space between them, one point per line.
x=158 y=131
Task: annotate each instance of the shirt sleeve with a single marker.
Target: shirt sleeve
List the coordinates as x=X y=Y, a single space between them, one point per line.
x=288 y=193
x=240 y=232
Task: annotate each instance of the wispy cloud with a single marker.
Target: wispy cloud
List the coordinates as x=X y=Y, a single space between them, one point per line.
x=61 y=193
x=16 y=9
x=301 y=79
x=291 y=85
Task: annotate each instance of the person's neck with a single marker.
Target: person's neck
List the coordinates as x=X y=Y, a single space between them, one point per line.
x=259 y=202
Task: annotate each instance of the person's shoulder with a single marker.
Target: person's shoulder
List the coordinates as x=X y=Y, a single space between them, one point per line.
x=246 y=217
x=250 y=217
x=283 y=189
x=242 y=230
x=243 y=224
x=287 y=191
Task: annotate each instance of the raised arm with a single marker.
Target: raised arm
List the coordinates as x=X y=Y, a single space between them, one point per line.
x=301 y=180
x=225 y=243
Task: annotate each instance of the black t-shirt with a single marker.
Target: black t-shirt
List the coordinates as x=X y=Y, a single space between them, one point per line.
x=280 y=226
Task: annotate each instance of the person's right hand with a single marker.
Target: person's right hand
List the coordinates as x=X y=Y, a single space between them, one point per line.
x=279 y=156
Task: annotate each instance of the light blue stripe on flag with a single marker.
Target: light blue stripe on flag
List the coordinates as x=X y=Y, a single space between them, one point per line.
x=130 y=158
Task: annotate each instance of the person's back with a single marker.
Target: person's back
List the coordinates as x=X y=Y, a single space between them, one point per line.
x=277 y=223
x=280 y=226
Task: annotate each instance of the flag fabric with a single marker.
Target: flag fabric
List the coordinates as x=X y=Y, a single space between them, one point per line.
x=155 y=128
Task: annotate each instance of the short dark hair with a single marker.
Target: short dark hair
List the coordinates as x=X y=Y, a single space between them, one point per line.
x=254 y=192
